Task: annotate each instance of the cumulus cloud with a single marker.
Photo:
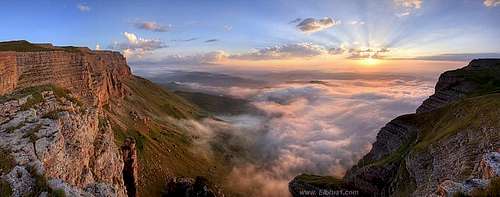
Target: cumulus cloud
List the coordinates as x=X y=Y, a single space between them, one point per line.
x=407 y=6
x=83 y=7
x=491 y=3
x=311 y=25
x=137 y=46
x=284 y=51
x=315 y=128
x=152 y=26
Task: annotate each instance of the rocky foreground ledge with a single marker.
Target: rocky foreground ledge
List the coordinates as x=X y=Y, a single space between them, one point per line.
x=451 y=146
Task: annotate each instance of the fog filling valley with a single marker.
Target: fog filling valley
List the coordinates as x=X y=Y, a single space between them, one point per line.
x=317 y=127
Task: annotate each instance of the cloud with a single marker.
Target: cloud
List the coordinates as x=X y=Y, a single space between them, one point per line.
x=315 y=128
x=185 y=40
x=458 y=56
x=295 y=21
x=356 y=23
x=368 y=53
x=205 y=58
x=152 y=26
x=299 y=50
x=336 y=51
x=296 y=50
x=411 y=4
x=137 y=46
x=407 y=6
x=491 y=3
x=311 y=25
x=211 y=40
x=228 y=27
x=83 y=7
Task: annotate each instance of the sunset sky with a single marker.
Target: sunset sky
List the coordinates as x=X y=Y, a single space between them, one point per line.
x=323 y=75
x=285 y=34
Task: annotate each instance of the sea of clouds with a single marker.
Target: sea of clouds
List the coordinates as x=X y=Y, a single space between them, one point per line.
x=318 y=127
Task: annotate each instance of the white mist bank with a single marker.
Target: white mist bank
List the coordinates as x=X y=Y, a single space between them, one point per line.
x=320 y=128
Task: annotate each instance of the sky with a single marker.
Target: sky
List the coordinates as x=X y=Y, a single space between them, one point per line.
x=262 y=34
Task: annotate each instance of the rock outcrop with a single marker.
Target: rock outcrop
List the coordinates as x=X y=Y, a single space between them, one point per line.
x=59 y=142
x=189 y=187
x=51 y=104
x=130 y=174
x=392 y=140
x=457 y=84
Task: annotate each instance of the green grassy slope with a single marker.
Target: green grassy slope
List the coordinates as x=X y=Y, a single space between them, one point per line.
x=149 y=114
x=218 y=104
x=25 y=46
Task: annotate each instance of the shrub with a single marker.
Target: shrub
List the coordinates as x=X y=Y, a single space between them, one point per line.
x=6 y=161
x=5 y=189
x=493 y=189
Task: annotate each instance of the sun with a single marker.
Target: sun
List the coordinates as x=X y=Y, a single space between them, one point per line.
x=370 y=61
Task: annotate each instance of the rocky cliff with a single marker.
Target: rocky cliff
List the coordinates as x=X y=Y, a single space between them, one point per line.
x=449 y=147
x=75 y=121
x=94 y=76
x=50 y=120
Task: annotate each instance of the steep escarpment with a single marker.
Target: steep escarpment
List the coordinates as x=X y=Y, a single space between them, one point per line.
x=50 y=108
x=76 y=121
x=445 y=148
x=94 y=76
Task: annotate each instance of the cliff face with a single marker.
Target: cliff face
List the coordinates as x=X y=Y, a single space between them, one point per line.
x=479 y=75
x=51 y=124
x=94 y=76
x=76 y=121
x=449 y=146
x=58 y=145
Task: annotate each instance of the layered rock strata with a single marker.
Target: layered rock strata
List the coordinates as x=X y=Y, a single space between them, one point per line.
x=94 y=76
x=51 y=120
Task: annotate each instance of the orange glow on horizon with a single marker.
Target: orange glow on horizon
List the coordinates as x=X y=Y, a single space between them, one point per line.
x=370 y=61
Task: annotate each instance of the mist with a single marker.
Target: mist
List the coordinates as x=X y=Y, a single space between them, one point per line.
x=317 y=127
